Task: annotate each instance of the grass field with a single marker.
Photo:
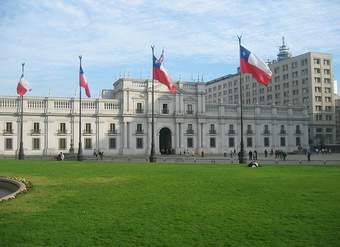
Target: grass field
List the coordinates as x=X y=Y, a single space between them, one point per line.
x=102 y=204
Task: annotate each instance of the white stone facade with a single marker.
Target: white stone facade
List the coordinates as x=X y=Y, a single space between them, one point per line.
x=120 y=123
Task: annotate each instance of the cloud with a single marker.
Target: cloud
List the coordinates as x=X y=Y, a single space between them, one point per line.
x=113 y=35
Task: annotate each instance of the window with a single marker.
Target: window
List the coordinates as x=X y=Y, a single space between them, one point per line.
x=165 y=109
x=297 y=129
x=266 y=130
x=285 y=77
x=231 y=129
x=139 y=129
x=316 y=61
x=112 y=143
x=139 y=108
x=36 y=143
x=212 y=129
x=189 y=129
x=327 y=80
x=62 y=143
x=88 y=143
x=318 y=108
x=266 y=141
x=318 y=130
x=298 y=141
x=88 y=128
x=139 y=143
x=282 y=129
x=62 y=128
x=326 y=62
x=249 y=129
x=328 y=99
x=329 y=117
x=190 y=142
x=189 y=109
x=231 y=142
x=326 y=71
x=8 y=144
x=285 y=67
x=318 y=89
x=282 y=141
x=317 y=79
x=212 y=142
x=295 y=74
x=36 y=128
x=249 y=142
x=318 y=98
x=9 y=128
x=328 y=108
x=112 y=129
x=316 y=70
x=327 y=89
x=318 y=117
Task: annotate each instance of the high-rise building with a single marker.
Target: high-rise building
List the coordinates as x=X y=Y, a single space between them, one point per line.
x=304 y=80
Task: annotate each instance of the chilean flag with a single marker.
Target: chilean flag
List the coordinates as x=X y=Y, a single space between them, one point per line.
x=23 y=86
x=83 y=82
x=160 y=74
x=251 y=64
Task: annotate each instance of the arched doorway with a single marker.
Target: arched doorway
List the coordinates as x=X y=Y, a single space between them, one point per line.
x=165 y=141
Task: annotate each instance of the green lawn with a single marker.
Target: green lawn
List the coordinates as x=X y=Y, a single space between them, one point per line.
x=103 y=204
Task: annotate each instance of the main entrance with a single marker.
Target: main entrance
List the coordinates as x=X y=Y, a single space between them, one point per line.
x=165 y=141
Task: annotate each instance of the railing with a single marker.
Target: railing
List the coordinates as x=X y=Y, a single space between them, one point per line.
x=139 y=131
x=250 y=132
x=190 y=132
x=8 y=132
x=35 y=131
x=139 y=111
x=87 y=131
x=212 y=132
x=112 y=132
x=62 y=131
x=266 y=132
x=165 y=111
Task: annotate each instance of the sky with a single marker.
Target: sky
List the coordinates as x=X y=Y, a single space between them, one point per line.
x=114 y=37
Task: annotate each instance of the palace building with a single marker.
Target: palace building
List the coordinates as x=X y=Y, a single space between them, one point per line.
x=119 y=123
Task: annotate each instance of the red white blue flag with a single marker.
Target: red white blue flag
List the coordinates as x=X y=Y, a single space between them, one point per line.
x=23 y=86
x=249 y=63
x=83 y=82
x=160 y=74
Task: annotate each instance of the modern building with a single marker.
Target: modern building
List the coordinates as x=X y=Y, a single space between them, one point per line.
x=305 y=80
x=120 y=123
x=337 y=118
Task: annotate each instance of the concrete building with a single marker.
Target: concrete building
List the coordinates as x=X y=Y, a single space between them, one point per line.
x=304 y=80
x=120 y=123
x=337 y=118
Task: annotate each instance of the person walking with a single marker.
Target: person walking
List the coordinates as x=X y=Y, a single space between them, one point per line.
x=250 y=155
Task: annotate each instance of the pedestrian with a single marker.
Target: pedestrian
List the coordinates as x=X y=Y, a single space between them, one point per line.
x=255 y=155
x=95 y=154
x=250 y=155
x=308 y=155
x=101 y=154
x=265 y=153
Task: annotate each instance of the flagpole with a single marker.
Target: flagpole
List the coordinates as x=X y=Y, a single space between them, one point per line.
x=21 y=155
x=80 y=149
x=241 y=158
x=152 y=158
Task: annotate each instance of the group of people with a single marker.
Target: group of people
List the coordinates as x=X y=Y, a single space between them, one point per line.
x=99 y=154
x=60 y=156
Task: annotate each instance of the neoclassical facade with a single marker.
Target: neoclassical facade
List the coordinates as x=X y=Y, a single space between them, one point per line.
x=119 y=123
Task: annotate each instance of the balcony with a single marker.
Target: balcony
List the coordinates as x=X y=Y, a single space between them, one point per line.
x=165 y=111
x=139 y=110
x=250 y=132
x=283 y=132
x=35 y=132
x=8 y=132
x=111 y=132
x=190 y=132
x=190 y=112
x=266 y=132
x=62 y=132
x=87 y=132
x=139 y=132
x=298 y=132
x=212 y=132
x=231 y=132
